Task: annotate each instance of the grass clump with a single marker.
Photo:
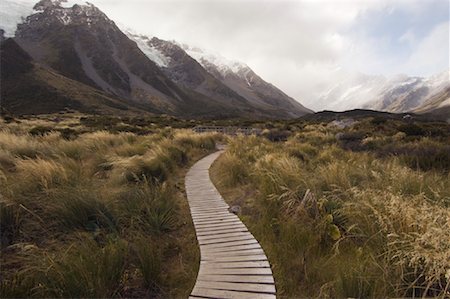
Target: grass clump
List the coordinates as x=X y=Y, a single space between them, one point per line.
x=88 y=213
x=345 y=221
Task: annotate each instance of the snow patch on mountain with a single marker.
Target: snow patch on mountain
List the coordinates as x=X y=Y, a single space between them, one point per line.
x=400 y=93
x=150 y=51
x=71 y=3
x=223 y=65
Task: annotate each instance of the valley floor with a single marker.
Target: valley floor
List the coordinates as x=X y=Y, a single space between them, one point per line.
x=94 y=206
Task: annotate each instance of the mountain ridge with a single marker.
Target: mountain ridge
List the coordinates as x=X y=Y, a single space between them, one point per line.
x=81 y=43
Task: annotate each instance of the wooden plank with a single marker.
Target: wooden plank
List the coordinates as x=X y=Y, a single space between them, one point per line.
x=222 y=231
x=219 y=230
x=218 y=220
x=226 y=240
x=218 y=226
x=227 y=218
x=232 y=249
x=224 y=235
x=246 y=264
x=249 y=287
x=239 y=258
x=238 y=278
x=233 y=271
x=229 y=244
x=215 y=213
x=234 y=253
x=211 y=293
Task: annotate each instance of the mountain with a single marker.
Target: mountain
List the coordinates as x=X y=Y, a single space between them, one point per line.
x=243 y=80
x=438 y=104
x=83 y=44
x=229 y=81
x=29 y=88
x=398 y=94
x=410 y=93
x=80 y=43
x=187 y=73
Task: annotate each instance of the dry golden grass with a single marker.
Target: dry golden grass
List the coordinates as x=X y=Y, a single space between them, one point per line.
x=337 y=223
x=99 y=214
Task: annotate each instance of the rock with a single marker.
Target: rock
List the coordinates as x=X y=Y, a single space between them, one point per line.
x=235 y=209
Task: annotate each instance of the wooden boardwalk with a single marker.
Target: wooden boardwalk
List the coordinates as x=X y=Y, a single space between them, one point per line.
x=233 y=264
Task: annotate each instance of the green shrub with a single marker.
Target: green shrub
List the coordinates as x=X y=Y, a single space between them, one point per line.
x=87 y=270
x=10 y=221
x=412 y=130
x=152 y=170
x=149 y=261
x=40 y=130
x=68 y=133
x=82 y=209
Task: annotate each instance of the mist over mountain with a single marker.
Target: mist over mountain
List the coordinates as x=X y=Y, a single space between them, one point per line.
x=397 y=94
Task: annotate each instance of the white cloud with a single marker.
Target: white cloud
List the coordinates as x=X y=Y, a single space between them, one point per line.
x=432 y=53
x=408 y=37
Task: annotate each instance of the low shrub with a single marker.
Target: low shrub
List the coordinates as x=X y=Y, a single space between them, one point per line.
x=412 y=130
x=82 y=209
x=40 y=130
x=86 y=270
x=149 y=261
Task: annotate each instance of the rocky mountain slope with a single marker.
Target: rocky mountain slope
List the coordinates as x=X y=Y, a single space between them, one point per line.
x=243 y=80
x=29 y=88
x=81 y=43
x=218 y=77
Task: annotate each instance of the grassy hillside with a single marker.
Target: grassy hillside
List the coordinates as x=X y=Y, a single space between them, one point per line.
x=362 y=211
x=95 y=213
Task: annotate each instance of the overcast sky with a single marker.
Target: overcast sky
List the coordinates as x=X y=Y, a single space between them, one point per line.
x=302 y=46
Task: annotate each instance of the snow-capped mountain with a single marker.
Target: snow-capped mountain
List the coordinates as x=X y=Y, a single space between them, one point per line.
x=83 y=44
x=397 y=94
x=243 y=80
x=78 y=42
x=216 y=76
x=409 y=93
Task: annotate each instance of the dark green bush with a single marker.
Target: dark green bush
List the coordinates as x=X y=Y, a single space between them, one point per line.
x=40 y=130
x=412 y=130
x=68 y=133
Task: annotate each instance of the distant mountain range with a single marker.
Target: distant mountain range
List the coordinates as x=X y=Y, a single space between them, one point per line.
x=74 y=57
x=398 y=94
x=80 y=44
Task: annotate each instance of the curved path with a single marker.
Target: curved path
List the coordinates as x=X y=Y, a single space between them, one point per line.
x=233 y=264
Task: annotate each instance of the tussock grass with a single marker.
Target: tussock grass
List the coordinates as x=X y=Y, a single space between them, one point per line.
x=96 y=214
x=342 y=223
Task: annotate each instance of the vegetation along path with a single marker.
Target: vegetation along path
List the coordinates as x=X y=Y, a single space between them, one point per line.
x=233 y=264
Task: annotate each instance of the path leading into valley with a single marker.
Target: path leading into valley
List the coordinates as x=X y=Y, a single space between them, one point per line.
x=232 y=264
